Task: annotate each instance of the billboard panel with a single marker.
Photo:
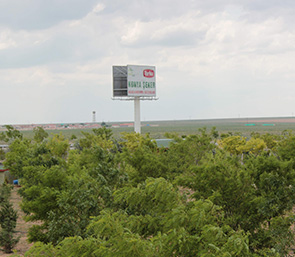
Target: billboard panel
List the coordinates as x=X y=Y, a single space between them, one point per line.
x=141 y=80
x=120 y=81
x=134 y=80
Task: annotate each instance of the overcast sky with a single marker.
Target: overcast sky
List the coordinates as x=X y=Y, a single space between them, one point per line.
x=213 y=58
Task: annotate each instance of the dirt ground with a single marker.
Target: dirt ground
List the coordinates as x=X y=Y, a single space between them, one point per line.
x=21 y=226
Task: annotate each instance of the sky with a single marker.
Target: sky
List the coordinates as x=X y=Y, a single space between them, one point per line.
x=213 y=58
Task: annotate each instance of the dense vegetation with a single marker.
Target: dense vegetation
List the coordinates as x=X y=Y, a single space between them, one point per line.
x=8 y=217
x=206 y=195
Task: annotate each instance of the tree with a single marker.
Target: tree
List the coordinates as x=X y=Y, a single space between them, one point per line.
x=63 y=188
x=11 y=133
x=233 y=144
x=8 y=217
x=271 y=140
x=286 y=147
x=253 y=146
x=18 y=156
x=256 y=197
x=154 y=220
x=140 y=158
x=39 y=134
x=189 y=151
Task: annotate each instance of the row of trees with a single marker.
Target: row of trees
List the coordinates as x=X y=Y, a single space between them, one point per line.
x=206 y=195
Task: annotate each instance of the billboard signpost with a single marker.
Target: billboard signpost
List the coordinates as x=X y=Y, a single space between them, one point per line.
x=134 y=82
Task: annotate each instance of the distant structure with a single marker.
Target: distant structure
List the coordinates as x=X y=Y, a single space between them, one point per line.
x=93 y=116
x=134 y=82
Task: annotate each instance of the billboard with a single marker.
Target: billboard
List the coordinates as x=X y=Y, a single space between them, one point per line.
x=134 y=80
x=141 y=80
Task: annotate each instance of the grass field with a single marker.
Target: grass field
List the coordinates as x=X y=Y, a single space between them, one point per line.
x=157 y=129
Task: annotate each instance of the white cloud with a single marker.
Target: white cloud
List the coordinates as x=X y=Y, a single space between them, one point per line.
x=6 y=41
x=98 y=8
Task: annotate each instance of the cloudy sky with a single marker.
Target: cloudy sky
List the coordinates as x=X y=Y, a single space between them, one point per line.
x=214 y=58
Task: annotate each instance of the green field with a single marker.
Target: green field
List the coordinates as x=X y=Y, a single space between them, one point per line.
x=157 y=129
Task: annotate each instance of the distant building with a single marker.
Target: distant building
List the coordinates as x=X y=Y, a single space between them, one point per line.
x=126 y=124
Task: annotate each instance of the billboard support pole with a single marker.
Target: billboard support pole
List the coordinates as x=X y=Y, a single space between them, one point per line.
x=137 y=125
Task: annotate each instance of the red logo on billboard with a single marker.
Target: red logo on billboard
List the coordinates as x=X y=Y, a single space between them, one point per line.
x=148 y=73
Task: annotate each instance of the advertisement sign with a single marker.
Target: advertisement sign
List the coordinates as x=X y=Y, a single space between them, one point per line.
x=141 y=80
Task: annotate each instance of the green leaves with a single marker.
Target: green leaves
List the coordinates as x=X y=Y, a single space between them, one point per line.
x=40 y=134
x=200 y=197
x=8 y=218
x=63 y=188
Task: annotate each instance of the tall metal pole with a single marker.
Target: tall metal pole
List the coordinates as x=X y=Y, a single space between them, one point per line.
x=137 y=126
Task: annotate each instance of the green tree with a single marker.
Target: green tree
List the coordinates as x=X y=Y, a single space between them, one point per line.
x=39 y=134
x=270 y=140
x=140 y=158
x=253 y=146
x=154 y=220
x=63 y=188
x=233 y=144
x=11 y=133
x=8 y=217
x=18 y=156
x=286 y=146
x=189 y=151
x=255 y=197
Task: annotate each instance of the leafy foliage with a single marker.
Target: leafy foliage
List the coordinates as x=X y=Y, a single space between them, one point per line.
x=205 y=195
x=286 y=147
x=8 y=217
x=10 y=134
x=161 y=228
x=40 y=134
x=63 y=188
x=140 y=158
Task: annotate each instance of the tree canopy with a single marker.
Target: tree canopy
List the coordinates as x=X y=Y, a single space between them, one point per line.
x=205 y=195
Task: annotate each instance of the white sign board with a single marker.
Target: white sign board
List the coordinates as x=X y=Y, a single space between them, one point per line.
x=141 y=80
